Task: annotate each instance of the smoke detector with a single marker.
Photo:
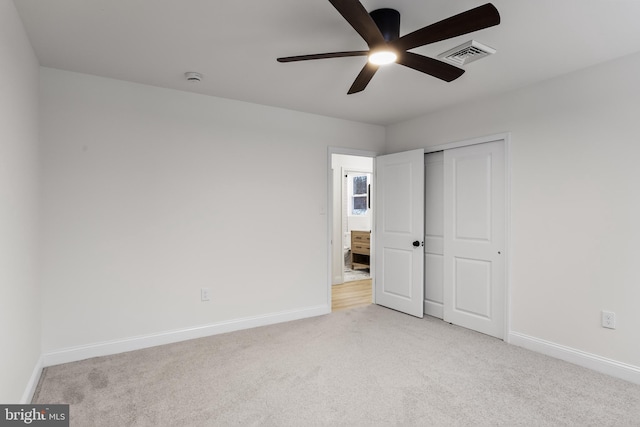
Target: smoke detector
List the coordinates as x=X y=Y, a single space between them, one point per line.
x=192 y=76
x=466 y=53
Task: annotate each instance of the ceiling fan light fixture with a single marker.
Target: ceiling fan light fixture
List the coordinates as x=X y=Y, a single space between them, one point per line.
x=380 y=29
x=383 y=57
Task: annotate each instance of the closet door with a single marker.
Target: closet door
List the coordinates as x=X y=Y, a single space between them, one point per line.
x=434 y=234
x=474 y=237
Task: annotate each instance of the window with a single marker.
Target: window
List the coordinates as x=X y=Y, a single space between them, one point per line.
x=360 y=196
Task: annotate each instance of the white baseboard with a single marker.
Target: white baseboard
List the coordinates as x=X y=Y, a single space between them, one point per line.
x=433 y=309
x=611 y=367
x=74 y=354
x=27 y=396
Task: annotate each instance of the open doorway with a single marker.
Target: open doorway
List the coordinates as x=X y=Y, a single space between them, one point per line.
x=352 y=214
x=356 y=225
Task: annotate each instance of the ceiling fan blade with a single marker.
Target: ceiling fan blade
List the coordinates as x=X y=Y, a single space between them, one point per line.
x=358 y=17
x=430 y=66
x=323 y=56
x=481 y=17
x=363 y=78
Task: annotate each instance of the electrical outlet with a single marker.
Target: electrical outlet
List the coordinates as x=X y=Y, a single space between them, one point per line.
x=608 y=319
x=205 y=294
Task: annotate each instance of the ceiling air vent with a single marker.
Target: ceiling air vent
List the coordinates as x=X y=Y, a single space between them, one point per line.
x=466 y=52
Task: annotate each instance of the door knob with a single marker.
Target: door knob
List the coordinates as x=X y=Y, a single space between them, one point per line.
x=416 y=243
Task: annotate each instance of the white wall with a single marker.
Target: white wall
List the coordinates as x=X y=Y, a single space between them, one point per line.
x=19 y=192
x=575 y=201
x=152 y=194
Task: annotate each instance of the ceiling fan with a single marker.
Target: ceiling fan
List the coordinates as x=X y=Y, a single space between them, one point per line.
x=381 y=30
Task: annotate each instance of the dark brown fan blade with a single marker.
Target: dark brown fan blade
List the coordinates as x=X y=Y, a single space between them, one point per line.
x=324 y=56
x=430 y=66
x=358 y=17
x=363 y=78
x=466 y=22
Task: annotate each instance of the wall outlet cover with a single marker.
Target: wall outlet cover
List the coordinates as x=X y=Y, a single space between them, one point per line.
x=608 y=319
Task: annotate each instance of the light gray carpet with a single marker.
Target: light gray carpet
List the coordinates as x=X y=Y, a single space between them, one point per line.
x=365 y=366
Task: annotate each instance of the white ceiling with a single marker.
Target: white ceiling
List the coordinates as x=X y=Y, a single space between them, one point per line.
x=234 y=44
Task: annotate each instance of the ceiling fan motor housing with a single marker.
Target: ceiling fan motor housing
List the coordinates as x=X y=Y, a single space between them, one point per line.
x=388 y=21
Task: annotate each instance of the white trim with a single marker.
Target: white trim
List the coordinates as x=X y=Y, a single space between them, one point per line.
x=480 y=140
x=507 y=241
x=350 y=152
x=30 y=390
x=433 y=309
x=611 y=367
x=74 y=354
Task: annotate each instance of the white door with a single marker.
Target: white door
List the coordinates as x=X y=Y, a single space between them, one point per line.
x=434 y=234
x=474 y=237
x=399 y=230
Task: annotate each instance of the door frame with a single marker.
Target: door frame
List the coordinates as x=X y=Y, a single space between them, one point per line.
x=506 y=138
x=329 y=213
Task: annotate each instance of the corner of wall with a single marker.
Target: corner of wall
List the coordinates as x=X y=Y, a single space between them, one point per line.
x=32 y=385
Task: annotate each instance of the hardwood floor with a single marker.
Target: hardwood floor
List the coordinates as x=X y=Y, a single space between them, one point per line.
x=351 y=294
